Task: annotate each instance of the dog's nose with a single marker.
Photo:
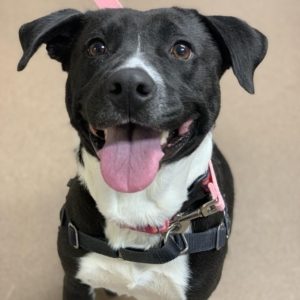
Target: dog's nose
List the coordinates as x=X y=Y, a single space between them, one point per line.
x=130 y=87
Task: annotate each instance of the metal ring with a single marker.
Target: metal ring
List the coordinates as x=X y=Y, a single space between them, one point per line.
x=186 y=245
x=172 y=227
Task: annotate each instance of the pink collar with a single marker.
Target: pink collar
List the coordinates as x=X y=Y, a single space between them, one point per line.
x=108 y=4
x=210 y=184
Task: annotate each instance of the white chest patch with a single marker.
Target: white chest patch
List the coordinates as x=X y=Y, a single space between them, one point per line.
x=152 y=206
x=142 y=281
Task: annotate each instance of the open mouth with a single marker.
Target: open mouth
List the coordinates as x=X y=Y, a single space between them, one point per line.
x=131 y=154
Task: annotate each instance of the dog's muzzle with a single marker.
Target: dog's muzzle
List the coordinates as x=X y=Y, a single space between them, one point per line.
x=129 y=89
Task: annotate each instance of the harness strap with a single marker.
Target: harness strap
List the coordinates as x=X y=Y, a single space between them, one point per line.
x=175 y=245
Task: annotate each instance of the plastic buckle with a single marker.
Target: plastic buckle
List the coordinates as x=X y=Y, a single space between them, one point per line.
x=73 y=235
x=220 y=242
x=227 y=223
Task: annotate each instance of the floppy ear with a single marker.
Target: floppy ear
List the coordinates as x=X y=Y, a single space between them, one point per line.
x=57 y=30
x=242 y=47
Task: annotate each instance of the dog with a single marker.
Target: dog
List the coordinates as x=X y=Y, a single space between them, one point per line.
x=148 y=214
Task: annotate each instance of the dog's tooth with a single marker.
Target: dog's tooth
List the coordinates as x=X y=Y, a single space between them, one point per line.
x=105 y=133
x=164 y=137
x=93 y=130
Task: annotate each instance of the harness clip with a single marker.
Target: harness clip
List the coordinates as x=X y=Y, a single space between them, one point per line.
x=181 y=221
x=209 y=208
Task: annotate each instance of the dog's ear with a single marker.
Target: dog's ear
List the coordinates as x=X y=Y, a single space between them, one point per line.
x=56 y=30
x=242 y=47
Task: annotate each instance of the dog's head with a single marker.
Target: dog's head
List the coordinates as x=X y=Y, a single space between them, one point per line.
x=143 y=87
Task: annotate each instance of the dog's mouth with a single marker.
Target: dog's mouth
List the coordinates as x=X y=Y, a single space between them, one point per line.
x=131 y=154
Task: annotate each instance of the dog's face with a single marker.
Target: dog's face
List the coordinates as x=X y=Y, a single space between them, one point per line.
x=143 y=87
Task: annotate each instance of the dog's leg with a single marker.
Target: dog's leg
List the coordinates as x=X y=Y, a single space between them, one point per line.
x=74 y=289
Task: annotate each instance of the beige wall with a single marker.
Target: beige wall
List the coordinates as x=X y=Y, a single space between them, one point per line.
x=259 y=134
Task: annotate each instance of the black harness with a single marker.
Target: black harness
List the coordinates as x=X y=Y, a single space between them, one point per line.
x=177 y=241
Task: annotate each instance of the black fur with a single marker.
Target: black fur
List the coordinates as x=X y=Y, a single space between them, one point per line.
x=192 y=91
x=206 y=267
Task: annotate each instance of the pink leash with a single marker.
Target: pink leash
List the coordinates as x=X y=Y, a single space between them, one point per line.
x=108 y=4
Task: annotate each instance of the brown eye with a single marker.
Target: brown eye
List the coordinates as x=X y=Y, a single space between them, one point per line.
x=181 y=51
x=96 y=48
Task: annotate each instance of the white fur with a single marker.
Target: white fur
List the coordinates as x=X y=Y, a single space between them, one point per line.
x=158 y=202
x=142 y=281
x=138 y=60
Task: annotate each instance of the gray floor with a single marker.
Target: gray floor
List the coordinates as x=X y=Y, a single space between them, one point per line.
x=259 y=135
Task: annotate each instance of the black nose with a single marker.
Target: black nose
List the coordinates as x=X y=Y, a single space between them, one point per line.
x=131 y=87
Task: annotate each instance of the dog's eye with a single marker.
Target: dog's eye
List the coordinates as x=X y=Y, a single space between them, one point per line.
x=181 y=51
x=96 y=48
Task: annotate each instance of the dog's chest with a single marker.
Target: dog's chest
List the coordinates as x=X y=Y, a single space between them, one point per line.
x=159 y=202
x=144 y=282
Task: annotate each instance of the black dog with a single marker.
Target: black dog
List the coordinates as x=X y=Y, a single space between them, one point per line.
x=144 y=216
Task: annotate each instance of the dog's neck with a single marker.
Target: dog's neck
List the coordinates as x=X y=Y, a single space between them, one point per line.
x=152 y=206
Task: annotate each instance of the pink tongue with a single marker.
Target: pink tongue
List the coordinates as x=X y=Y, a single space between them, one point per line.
x=130 y=164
